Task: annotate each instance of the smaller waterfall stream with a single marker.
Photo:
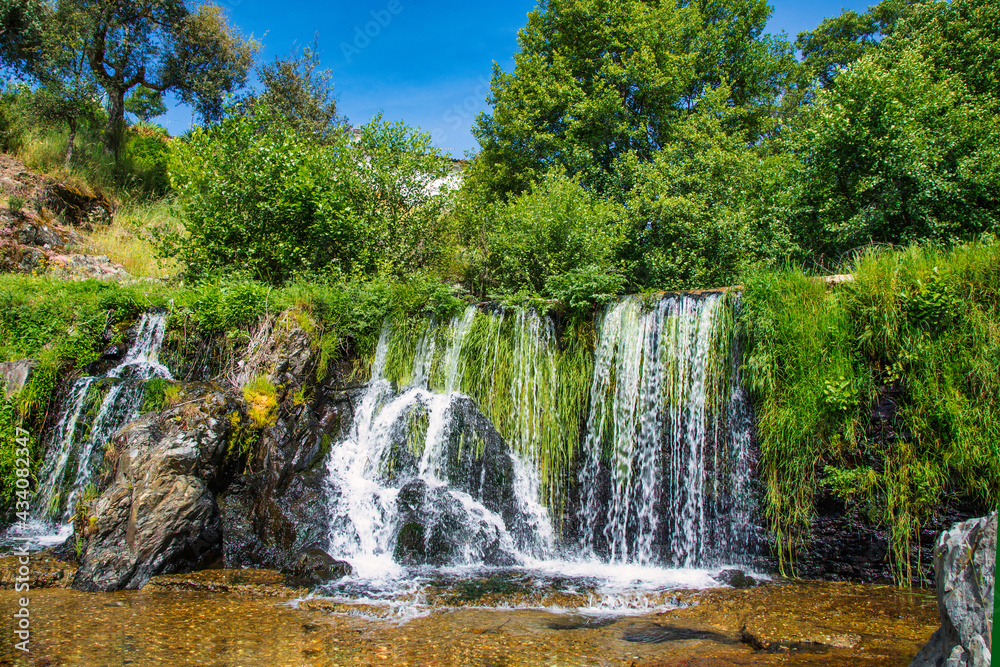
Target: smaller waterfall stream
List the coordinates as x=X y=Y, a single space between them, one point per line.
x=94 y=409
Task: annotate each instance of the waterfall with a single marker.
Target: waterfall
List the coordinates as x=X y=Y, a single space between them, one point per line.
x=665 y=476
x=422 y=477
x=95 y=408
x=465 y=431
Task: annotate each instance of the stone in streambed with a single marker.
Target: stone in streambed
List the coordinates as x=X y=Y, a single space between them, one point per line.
x=735 y=578
x=159 y=514
x=317 y=567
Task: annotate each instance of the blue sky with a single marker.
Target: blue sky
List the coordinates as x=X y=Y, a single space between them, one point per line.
x=423 y=62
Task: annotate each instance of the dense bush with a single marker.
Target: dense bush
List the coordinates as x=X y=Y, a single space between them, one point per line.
x=147 y=152
x=696 y=210
x=894 y=153
x=261 y=198
x=555 y=228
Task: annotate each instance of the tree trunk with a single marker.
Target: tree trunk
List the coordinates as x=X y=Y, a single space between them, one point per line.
x=116 y=124
x=69 y=143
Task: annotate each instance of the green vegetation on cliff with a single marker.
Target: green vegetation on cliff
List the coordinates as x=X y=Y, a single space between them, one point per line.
x=635 y=147
x=911 y=346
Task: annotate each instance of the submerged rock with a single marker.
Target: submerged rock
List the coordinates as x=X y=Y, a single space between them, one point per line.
x=965 y=563
x=44 y=570
x=159 y=515
x=317 y=567
x=736 y=579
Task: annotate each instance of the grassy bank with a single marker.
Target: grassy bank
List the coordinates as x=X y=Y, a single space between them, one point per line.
x=885 y=389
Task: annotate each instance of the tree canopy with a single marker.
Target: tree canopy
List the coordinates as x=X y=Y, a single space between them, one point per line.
x=120 y=45
x=595 y=81
x=722 y=152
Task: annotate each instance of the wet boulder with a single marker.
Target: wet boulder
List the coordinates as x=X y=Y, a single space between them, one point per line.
x=276 y=509
x=965 y=563
x=735 y=578
x=435 y=527
x=472 y=459
x=159 y=514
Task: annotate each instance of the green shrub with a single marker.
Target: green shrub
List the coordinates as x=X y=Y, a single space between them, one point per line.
x=581 y=288
x=147 y=153
x=554 y=228
x=229 y=304
x=262 y=199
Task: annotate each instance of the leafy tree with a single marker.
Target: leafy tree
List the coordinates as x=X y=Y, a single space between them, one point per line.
x=734 y=54
x=260 y=199
x=895 y=152
x=67 y=92
x=840 y=41
x=594 y=81
x=399 y=185
x=264 y=199
x=21 y=26
x=961 y=37
x=693 y=218
x=160 y=45
x=301 y=93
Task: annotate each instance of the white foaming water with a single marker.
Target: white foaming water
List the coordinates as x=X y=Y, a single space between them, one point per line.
x=368 y=469
x=660 y=433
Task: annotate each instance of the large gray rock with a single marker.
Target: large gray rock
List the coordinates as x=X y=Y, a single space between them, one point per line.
x=159 y=515
x=274 y=510
x=965 y=562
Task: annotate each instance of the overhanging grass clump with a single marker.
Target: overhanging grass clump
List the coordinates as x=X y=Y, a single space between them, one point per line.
x=915 y=340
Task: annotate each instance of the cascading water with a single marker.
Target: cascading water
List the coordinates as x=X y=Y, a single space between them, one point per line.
x=95 y=408
x=423 y=478
x=666 y=472
x=661 y=457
